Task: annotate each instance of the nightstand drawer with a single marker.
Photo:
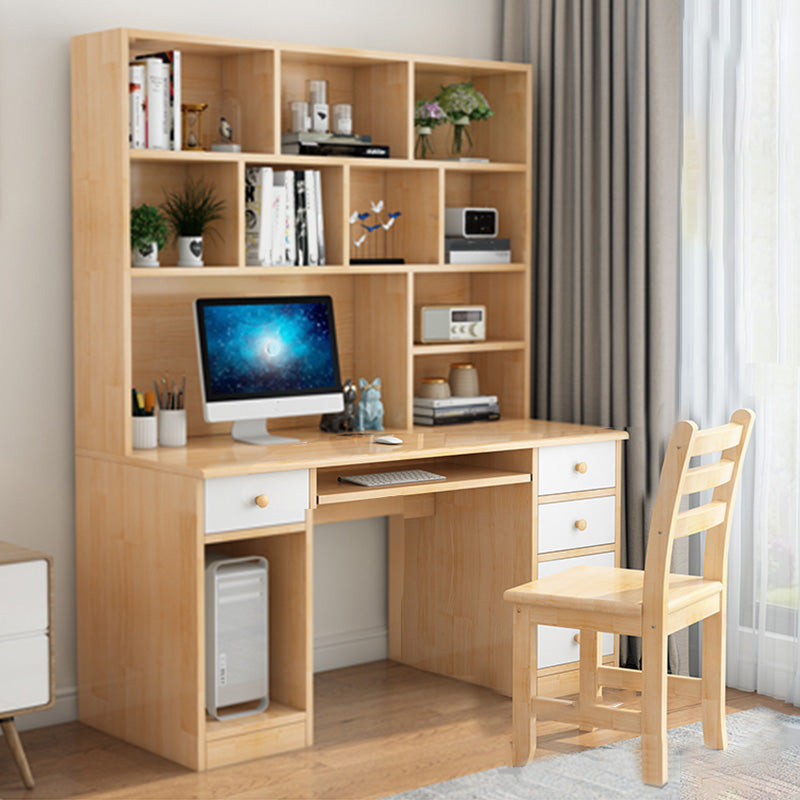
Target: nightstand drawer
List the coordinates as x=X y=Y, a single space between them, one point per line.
x=576 y=523
x=23 y=597
x=558 y=645
x=24 y=672
x=577 y=467
x=254 y=501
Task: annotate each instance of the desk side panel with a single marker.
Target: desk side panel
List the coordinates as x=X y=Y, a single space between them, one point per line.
x=456 y=565
x=140 y=564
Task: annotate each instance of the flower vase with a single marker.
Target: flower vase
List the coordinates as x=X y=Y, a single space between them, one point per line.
x=459 y=146
x=423 y=148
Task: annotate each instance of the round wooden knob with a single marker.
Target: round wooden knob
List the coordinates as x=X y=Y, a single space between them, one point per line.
x=577 y=638
x=580 y=524
x=262 y=501
x=581 y=467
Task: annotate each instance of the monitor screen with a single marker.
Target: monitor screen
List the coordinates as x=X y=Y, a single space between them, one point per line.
x=267 y=356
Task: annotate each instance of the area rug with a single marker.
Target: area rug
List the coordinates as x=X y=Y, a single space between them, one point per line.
x=762 y=761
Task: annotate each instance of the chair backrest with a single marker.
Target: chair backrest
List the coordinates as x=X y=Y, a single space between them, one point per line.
x=678 y=479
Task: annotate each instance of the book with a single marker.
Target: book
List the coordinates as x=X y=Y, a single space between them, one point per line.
x=172 y=58
x=304 y=137
x=258 y=216
x=459 y=412
x=156 y=103
x=285 y=178
x=336 y=149
x=455 y=420
x=278 y=222
x=300 y=220
x=452 y=243
x=311 y=218
x=445 y=402
x=137 y=135
x=320 y=220
x=478 y=257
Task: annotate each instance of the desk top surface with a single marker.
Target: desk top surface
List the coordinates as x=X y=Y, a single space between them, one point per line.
x=212 y=456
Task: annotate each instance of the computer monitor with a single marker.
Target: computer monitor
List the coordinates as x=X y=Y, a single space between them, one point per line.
x=263 y=357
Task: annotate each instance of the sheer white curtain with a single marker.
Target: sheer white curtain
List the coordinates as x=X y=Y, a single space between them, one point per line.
x=740 y=304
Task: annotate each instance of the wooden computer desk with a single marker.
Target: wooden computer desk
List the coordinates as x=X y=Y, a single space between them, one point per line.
x=454 y=546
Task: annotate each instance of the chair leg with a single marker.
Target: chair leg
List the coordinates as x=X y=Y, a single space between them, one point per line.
x=654 y=707
x=523 y=689
x=15 y=745
x=590 y=659
x=713 y=702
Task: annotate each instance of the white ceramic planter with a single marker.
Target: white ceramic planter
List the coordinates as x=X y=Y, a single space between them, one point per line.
x=147 y=257
x=190 y=251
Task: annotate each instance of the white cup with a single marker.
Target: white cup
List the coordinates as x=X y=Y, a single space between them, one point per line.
x=172 y=427
x=144 y=433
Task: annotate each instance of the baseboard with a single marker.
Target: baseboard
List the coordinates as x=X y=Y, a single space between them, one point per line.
x=350 y=647
x=65 y=709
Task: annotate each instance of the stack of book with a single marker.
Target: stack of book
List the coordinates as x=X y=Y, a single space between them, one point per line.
x=330 y=144
x=465 y=250
x=452 y=410
x=154 y=87
x=283 y=217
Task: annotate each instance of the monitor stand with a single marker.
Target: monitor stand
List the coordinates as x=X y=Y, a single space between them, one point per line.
x=254 y=431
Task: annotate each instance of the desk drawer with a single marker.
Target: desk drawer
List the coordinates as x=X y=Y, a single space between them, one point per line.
x=23 y=597
x=24 y=672
x=557 y=645
x=232 y=502
x=576 y=523
x=577 y=467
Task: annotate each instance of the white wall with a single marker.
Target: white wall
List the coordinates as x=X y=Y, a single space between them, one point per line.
x=36 y=442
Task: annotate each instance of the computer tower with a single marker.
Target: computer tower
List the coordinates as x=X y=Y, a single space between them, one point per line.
x=237 y=635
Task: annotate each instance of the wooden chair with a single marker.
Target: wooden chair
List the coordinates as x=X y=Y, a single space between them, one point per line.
x=652 y=604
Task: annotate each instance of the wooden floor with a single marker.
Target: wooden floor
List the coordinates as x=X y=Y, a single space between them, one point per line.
x=380 y=728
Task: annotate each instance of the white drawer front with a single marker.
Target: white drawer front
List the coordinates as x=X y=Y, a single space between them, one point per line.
x=23 y=597
x=24 y=672
x=231 y=501
x=558 y=645
x=561 y=468
x=576 y=523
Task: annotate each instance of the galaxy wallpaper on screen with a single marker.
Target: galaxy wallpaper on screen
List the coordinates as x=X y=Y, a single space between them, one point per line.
x=272 y=348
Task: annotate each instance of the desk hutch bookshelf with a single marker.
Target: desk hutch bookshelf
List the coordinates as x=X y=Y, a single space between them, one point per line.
x=141 y=514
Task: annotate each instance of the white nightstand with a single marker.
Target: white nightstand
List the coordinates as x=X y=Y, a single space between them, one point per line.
x=26 y=643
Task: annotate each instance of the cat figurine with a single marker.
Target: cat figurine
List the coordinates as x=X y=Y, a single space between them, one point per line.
x=369 y=414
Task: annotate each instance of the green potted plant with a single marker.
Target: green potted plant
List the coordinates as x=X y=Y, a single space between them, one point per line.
x=149 y=232
x=190 y=211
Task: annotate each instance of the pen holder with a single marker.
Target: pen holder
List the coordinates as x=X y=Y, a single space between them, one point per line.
x=172 y=428
x=145 y=432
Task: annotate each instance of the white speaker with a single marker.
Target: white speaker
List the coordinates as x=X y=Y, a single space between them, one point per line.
x=237 y=635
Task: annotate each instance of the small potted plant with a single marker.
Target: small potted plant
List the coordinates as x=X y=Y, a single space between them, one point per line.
x=462 y=103
x=190 y=211
x=426 y=117
x=149 y=231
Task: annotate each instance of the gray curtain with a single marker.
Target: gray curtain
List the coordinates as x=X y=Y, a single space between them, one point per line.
x=606 y=153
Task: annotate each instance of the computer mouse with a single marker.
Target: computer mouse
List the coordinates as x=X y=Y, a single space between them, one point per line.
x=388 y=440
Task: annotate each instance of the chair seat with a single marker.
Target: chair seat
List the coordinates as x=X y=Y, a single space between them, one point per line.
x=607 y=592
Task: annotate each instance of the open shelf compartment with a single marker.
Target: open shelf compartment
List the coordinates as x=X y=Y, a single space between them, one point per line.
x=377 y=87
x=286 y=724
x=503 y=137
x=227 y=76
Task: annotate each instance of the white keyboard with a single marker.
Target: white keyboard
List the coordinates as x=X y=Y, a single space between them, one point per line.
x=391 y=478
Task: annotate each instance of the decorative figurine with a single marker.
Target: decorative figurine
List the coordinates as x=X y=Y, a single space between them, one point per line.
x=369 y=414
x=342 y=421
x=225 y=143
x=378 y=246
